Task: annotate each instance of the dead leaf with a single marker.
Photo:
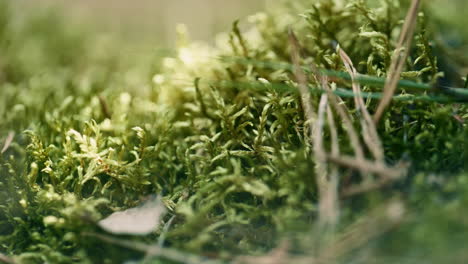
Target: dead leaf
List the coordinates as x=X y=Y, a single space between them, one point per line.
x=8 y=142
x=141 y=220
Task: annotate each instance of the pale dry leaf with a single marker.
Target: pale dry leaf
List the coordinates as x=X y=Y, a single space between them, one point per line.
x=8 y=142
x=141 y=220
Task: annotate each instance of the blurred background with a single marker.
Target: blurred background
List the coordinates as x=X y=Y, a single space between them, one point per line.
x=144 y=20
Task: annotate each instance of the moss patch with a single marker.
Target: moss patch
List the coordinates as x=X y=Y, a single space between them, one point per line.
x=219 y=133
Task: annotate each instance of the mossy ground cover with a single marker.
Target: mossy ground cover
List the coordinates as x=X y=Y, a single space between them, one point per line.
x=248 y=170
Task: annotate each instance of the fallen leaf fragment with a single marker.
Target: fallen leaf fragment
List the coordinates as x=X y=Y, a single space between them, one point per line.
x=141 y=220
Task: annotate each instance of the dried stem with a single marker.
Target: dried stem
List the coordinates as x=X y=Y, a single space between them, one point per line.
x=335 y=147
x=154 y=250
x=320 y=123
x=363 y=188
x=301 y=79
x=328 y=202
x=338 y=104
x=369 y=131
x=335 y=150
x=398 y=60
x=365 y=166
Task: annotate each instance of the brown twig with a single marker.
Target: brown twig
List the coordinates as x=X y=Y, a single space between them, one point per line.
x=369 y=131
x=363 y=188
x=338 y=104
x=335 y=150
x=328 y=202
x=365 y=166
x=319 y=124
x=301 y=79
x=154 y=250
x=398 y=60
x=335 y=147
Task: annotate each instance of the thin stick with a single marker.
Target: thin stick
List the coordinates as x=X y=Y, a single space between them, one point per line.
x=154 y=250
x=328 y=200
x=335 y=147
x=365 y=166
x=364 y=188
x=301 y=79
x=328 y=211
x=335 y=151
x=340 y=106
x=399 y=58
x=320 y=123
x=344 y=114
x=369 y=132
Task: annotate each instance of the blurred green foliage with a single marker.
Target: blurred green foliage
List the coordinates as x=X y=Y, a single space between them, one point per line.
x=98 y=130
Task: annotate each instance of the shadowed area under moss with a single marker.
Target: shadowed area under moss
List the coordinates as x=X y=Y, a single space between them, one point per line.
x=220 y=134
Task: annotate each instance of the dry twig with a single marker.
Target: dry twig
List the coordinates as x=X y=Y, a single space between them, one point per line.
x=301 y=79
x=335 y=150
x=154 y=250
x=398 y=61
x=328 y=202
x=365 y=166
x=369 y=131
x=338 y=104
x=328 y=199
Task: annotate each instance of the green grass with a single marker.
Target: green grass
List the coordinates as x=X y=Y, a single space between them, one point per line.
x=220 y=133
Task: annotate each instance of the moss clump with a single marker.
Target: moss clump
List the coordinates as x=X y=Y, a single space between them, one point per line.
x=220 y=134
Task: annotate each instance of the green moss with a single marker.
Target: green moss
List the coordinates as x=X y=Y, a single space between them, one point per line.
x=96 y=132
